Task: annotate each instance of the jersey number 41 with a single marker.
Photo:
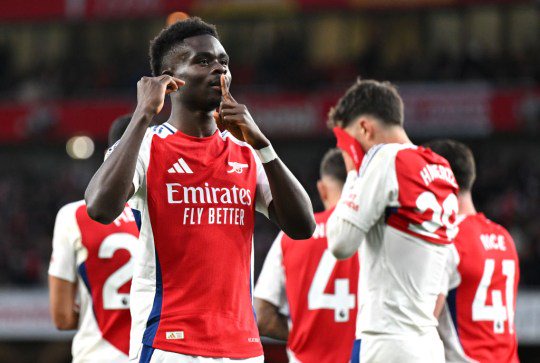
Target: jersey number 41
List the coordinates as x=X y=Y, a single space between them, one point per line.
x=496 y=312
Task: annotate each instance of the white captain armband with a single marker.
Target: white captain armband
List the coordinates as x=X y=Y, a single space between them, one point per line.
x=266 y=154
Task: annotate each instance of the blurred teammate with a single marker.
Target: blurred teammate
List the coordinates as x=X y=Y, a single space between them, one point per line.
x=303 y=278
x=197 y=189
x=477 y=324
x=403 y=203
x=90 y=277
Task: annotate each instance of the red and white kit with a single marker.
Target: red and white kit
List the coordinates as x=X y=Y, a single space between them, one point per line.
x=403 y=202
x=191 y=290
x=319 y=292
x=99 y=258
x=477 y=323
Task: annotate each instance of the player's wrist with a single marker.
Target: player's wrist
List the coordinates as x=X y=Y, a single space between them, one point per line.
x=259 y=142
x=266 y=154
x=146 y=113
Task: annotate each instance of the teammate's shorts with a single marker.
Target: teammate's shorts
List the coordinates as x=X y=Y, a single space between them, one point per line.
x=382 y=348
x=151 y=355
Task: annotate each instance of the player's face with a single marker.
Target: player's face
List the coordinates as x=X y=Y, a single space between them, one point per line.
x=200 y=64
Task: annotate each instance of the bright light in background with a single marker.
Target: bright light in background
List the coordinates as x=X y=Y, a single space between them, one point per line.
x=80 y=147
x=176 y=17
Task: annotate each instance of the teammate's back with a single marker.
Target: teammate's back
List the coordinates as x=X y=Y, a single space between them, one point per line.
x=482 y=305
x=405 y=252
x=400 y=209
x=322 y=294
x=477 y=323
x=305 y=279
x=90 y=277
x=98 y=258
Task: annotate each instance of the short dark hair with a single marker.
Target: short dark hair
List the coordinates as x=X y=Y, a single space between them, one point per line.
x=461 y=160
x=368 y=97
x=174 y=35
x=118 y=127
x=333 y=165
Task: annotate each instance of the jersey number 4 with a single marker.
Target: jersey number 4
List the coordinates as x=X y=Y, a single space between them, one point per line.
x=112 y=299
x=340 y=301
x=496 y=312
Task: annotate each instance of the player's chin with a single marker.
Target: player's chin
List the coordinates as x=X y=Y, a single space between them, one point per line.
x=213 y=101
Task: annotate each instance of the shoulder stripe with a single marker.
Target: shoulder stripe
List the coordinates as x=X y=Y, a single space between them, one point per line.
x=227 y=135
x=162 y=131
x=168 y=128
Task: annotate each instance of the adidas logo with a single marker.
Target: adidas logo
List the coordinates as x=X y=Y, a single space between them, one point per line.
x=174 y=335
x=180 y=167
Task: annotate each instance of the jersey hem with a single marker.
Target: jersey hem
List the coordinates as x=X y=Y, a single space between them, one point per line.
x=205 y=352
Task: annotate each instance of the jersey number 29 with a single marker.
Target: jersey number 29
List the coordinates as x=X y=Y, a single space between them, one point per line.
x=340 y=301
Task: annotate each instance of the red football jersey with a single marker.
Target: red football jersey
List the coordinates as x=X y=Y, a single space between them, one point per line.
x=321 y=293
x=102 y=257
x=426 y=197
x=483 y=282
x=192 y=281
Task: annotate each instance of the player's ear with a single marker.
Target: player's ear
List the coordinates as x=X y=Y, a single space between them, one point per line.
x=323 y=191
x=366 y=128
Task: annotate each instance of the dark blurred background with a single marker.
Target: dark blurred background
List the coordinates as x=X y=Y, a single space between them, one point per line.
x=467 y=69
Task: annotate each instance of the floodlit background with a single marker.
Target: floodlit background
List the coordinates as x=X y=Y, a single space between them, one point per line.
x=468 y=69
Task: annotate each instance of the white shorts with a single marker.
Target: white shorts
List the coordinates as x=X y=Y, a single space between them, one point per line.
x=151 y=355
x=382 y=348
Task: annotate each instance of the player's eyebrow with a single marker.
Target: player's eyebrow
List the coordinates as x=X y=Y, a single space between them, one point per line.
x=211 y=55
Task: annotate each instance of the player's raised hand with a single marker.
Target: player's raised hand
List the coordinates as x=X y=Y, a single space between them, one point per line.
x=236 y=118
x=151 y=92
x=349 y=163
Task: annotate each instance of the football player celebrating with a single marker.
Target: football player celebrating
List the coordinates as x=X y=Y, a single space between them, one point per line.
x=399 y=208
x=197 y=190
x=90 y=276
x=477 y=322
x=303 y=278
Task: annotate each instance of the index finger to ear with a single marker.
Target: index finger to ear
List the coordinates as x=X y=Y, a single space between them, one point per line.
x=179 y=82
x=173 y=84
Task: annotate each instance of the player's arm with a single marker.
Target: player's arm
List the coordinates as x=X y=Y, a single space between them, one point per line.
x=450 y=279
x=62 y=269
x=362 y=203
x=270 y=321
x=291 y=207
x=270 y=297
x=439 y=305
x=63 y=308
x=111 y=186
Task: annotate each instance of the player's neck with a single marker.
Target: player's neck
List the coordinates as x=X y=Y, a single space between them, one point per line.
x=394 y=135
x=192 y=122
x=331 y=200
x=465 y=203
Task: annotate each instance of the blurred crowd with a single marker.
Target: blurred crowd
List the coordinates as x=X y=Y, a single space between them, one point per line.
x=283 y=63
x=34 y=185
x=306 y=53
